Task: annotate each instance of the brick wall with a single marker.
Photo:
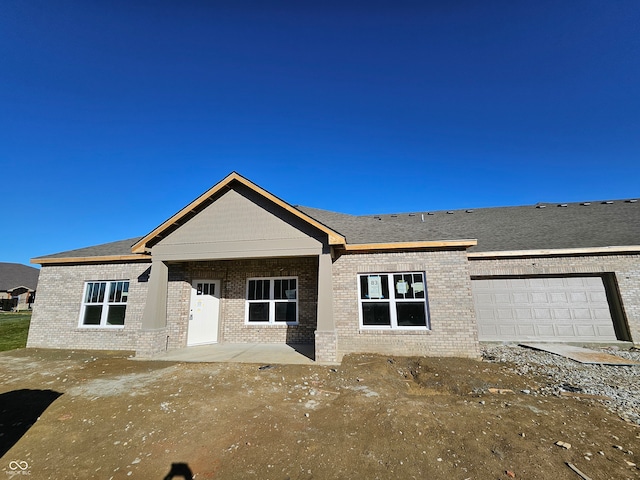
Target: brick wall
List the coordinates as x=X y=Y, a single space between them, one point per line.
x=453 y=330
x=56 y=311
x=625 y=268
x=233 y=275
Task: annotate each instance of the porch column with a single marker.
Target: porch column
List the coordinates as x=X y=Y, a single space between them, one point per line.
x=326 y=336
x=153 y=337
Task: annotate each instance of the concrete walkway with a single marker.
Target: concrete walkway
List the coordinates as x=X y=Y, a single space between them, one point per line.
x=242 y=353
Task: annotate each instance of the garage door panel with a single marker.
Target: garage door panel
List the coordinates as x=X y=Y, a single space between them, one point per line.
x=504 y=314
x=526 y=330
x=597 y=297
x=562 y=314
x=601 y=314
x=523 y=313
x=543 y=309
x=595 y=282
x=542 y=313
x=520 y=298
x=555 y=282
x=581 y=313
x=502 y=298
x=565 y=331
x=558 y=297
x=485 y=314
x=545 y=331
x=580 y=297
x=586 y=330
x=507 y=330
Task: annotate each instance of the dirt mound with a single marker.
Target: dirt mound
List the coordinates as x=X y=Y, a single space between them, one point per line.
x=373 y=416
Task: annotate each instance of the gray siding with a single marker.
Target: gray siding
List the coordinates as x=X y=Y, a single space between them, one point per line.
x=235 y=227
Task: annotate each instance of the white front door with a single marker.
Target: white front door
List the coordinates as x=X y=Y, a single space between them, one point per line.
x=203 y=313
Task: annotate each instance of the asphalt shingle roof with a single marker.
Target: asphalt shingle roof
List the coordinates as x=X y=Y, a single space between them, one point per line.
x=531 y=227
x=121 y=247
x=14 y=275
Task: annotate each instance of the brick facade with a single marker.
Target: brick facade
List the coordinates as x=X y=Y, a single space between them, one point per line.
x=233 y=276
x=56 y=311
x=452 y=330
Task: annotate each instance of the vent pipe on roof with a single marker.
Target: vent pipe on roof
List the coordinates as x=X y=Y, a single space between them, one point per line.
x=422 y=216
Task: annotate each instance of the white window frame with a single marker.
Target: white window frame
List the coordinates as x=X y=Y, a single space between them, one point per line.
x=106 y=304
x=272 y=301
x=393 y=301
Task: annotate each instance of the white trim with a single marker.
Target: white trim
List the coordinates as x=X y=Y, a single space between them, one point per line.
x=105 y=304
x=556 y=251
x=392 y=301
x=271 y=301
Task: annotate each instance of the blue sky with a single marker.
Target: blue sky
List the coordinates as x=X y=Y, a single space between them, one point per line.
x=114 y=115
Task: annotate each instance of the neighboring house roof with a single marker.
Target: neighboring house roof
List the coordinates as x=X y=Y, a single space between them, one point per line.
x=14 y=275
x=542 y=226
x=563 y=228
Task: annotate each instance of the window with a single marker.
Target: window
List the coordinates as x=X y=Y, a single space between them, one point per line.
x=272 y=300
x=104 y=304
x=393 y=300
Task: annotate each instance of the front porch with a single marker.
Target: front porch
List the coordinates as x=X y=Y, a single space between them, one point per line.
x=260 y=353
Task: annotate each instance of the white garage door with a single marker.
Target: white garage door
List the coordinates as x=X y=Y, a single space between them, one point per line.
x=543 y=309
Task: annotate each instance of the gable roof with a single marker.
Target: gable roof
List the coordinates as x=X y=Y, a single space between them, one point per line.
x=210 y=196
x=540 y=229
x=13 y=275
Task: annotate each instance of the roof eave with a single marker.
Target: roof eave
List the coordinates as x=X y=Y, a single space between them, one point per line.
x=558 y=252
x=97 y=259
x=422 y=245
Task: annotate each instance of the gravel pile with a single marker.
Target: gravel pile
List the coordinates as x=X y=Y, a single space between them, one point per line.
x=621 y=385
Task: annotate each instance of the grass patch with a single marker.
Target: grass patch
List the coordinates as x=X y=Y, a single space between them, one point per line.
x=14 y=328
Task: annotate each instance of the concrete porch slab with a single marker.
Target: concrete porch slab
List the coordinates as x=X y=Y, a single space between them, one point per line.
x=242 y=353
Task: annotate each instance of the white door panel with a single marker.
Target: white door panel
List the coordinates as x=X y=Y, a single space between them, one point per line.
x=204 y=311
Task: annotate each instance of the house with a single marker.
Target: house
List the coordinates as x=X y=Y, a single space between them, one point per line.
x=17 y=286
x=240 y=265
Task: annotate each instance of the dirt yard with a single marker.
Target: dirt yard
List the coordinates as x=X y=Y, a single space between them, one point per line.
x=373 y=417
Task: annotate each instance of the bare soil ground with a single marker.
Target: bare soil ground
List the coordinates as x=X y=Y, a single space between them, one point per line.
x=105 y=416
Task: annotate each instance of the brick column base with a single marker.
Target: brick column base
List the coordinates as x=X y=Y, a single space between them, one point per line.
x=326 y=347
x=151 y=342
